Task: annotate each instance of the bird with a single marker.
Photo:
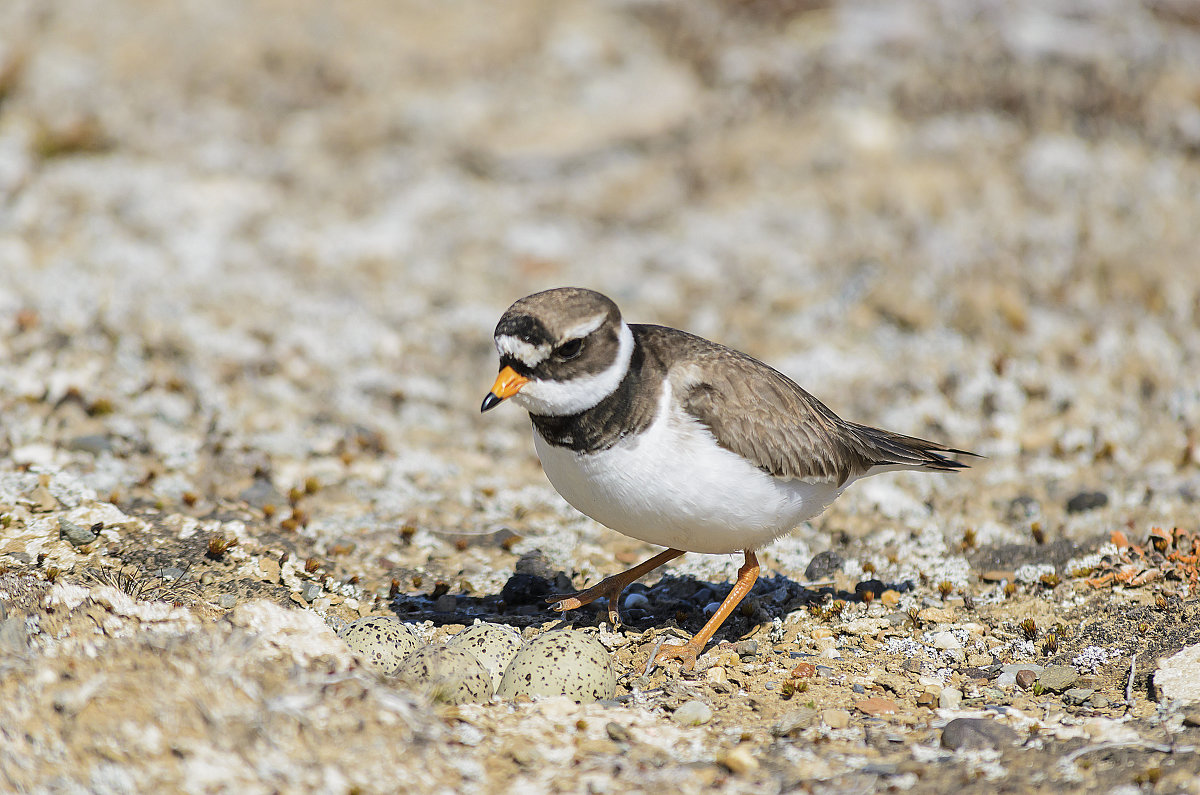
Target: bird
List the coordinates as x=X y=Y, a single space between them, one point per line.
x=681 y=442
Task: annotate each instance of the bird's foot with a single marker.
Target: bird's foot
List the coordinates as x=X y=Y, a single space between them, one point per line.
x=609 y=588
x=686 y=654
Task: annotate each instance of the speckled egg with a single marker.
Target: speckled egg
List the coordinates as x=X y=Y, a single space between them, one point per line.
x=561 y=663
x=380 y=642
x=494 y=645
x=447 y=674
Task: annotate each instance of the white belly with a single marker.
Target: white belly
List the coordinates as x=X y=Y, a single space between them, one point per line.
x=673 y=486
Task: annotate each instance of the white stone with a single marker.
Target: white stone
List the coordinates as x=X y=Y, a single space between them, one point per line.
x=946 y=641
x=692 y=713
x=950 y=698
x=1178 y=677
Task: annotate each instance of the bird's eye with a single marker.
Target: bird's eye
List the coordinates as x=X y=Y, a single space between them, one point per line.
x=569 y=349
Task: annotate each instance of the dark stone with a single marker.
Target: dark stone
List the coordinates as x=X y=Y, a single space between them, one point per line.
x=1026 y=678
x=874 y=587
x=525 y=589
x=977 y=734
x=1087 y=501
x=975 y=672
x=536 y=563
x=78 y=536
x=823 y=566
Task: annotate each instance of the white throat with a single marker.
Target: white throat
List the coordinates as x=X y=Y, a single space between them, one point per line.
x=564 y=398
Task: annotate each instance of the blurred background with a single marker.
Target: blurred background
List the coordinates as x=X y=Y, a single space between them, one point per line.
x=251 y=256
x=264 y=241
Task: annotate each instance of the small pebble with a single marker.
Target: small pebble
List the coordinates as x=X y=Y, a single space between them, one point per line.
x=950 y=698
x=994 y=696
x=976 y=733
x=94 y=443
x=1087 y=501
x=226 y=601
x=78 y=536
x=617 y=733
x=636 y=601
x=1100 y=702
x=794 y=722
x=746 y=648
x=446 y=603
x=876 y=706
x=1008 y=675
x=738 y=760
x=14 y=638
x=823 y=566
x=1025 y=678
x=716 y=674
x=692 y=713
x=1057 y=678
x=936 y=615
x=1077 y=695
x=946 y=641
x=311 y=592
x=835 y=718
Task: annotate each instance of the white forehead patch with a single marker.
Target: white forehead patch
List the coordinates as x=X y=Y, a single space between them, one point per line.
x=528 y=354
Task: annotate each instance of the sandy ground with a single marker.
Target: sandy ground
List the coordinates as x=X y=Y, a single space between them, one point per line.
x=251 y=255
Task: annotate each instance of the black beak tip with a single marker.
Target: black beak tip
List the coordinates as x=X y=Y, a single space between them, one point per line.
x=490 y=402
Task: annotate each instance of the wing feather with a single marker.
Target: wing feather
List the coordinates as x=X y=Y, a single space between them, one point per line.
x=762 y=415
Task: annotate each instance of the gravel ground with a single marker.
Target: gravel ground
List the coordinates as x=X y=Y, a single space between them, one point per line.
x=251 y=254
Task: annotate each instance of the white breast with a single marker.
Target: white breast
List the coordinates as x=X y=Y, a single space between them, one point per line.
x=673 y=485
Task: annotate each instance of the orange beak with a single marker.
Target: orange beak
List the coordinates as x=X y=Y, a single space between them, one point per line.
x=508 y=383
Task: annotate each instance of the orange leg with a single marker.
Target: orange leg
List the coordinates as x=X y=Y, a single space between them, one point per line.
x=688 y=652
x=611 y=587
